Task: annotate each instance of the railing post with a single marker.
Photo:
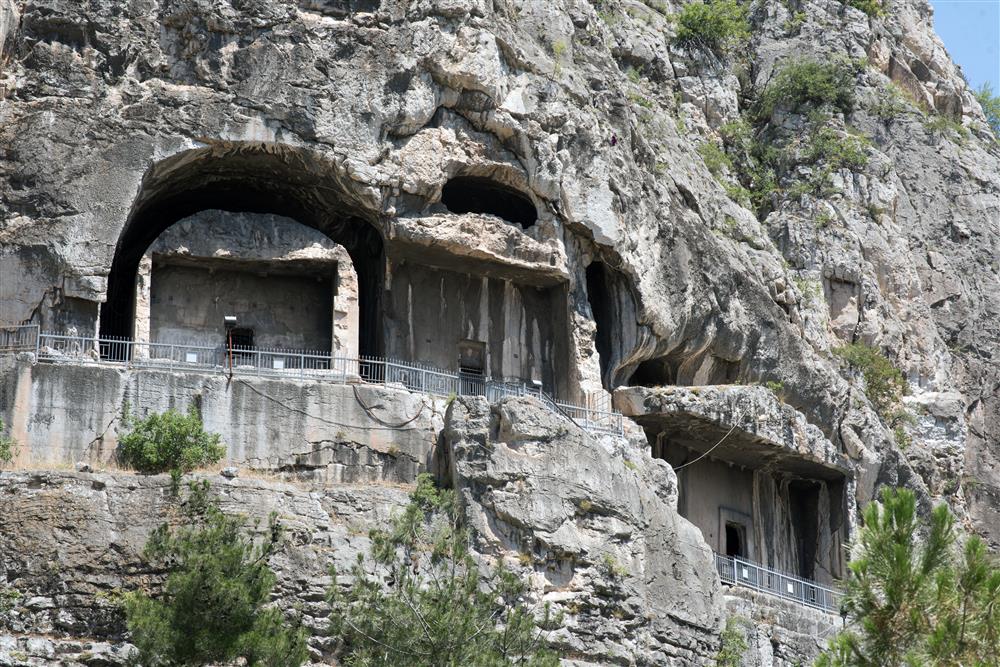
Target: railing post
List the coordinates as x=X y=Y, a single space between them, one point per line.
x=171 y=358
x=302 y=366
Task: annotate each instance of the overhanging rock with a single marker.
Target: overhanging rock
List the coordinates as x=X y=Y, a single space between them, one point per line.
x=743 y=425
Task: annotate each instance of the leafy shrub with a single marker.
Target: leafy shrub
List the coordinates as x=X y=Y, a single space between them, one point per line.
x=891 y=102
x=915 y=593
x=734 y=644
x=756 y=164
x=870 y=7
x=437 y=609
x=793 y=25
x=611 y=568
x=8 y=600
x=718 y=26
x=991 y=106
x=884 y=383
x=808 y=83
x=168 y=441
x=8 y=446
x=942 y=125
x=212 y=606
x=837 y=151
x=715 y=158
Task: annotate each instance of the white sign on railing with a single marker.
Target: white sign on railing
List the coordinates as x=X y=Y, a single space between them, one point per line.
x=740 y=572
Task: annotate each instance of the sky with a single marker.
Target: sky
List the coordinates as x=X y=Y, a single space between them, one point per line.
x=970 y=30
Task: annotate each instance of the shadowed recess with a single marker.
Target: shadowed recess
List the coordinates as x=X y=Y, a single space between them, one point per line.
x=472 y=194
x=256 y=179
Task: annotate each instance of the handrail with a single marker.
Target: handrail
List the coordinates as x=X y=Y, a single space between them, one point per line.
x=741 y=572
x=302 y=364
x=19 y=338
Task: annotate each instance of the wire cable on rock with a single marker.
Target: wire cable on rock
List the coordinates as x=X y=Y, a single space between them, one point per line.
x=290 y=408
x=712 y=448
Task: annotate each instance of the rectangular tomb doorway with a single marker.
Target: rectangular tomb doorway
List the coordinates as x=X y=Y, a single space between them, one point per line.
x=472 y=366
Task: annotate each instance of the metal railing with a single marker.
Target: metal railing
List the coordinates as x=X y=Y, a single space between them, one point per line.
x=301 y=364
x=739 y=572
x=19 y=338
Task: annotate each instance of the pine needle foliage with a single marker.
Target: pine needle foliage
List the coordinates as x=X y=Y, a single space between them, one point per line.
x=168 y=441
x=212 y=606
x=429 y=604
x=914 y=596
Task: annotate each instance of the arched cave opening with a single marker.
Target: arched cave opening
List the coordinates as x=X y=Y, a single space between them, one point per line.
x=677 y=368
x=656 y=372
x=474 y=194
x=245 y=182
x=602 y=308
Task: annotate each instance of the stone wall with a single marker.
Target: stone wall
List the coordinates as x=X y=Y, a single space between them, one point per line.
x=64 y=413
x=291 y=312
x=779 y=633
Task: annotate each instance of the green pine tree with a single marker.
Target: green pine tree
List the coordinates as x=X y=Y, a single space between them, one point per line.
x=212 y=606
x=429 y=605
x=914 y=596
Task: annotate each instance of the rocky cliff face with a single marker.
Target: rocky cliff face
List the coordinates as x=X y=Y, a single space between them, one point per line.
x=366 y=108
x=591 y=524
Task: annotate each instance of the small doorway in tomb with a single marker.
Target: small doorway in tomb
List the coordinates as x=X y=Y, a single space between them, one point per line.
x=736 y=540
x=240 y=342
x=735 y=533
x=472 y=367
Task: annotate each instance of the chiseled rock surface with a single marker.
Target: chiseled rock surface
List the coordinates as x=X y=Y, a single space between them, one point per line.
x=70 y=541
x=321 y=431
x=599 y=526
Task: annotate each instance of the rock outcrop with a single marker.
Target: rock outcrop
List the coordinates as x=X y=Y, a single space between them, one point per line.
x=647 y=264
x=592 y=525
